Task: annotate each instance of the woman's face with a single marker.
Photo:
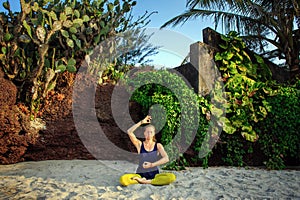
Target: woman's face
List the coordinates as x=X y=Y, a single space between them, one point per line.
x=149 y=133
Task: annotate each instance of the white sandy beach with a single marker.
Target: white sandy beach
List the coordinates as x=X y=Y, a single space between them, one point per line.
x=92 y=179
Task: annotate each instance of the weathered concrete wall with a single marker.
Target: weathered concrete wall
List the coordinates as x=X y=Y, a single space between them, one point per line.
x=201 y=71
x=202 y=58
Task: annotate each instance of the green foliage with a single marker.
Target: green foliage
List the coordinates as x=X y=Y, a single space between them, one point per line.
x=178 y=164
x=244 y=88
x=257 y=108
x=113 y=73
x=280 y=130
x=278 y=133
x=233 y=150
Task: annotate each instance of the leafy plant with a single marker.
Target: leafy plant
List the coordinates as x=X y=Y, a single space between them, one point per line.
x=48 y=37
x=113 y=73
x=244 y=88
x=279 y=131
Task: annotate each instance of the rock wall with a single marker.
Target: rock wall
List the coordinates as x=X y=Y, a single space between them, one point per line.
x=63 y=141
x=16 y=134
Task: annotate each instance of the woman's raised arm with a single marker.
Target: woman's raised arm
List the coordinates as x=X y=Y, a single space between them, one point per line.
x=136 y=142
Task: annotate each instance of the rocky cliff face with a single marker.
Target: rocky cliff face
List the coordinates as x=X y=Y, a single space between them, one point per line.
x=16 y=132
x=61 y=140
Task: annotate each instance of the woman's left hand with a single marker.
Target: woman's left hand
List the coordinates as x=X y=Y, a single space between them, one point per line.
x=147 y=165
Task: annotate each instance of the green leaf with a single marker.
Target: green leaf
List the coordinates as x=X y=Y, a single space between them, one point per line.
x=71 y=69
x=97 y=39
x=77 y=41
x=259 y=59
x=246 y=55
x=28 y=28
x=4 y=50
x=263 y=110
x=78 y=22
x=229 y=55
x=62 y=16
x=51 y=86
x=236 y=48
x=73 y=30
x=70 y=43
x=65 y=33
x=250 y=136
x=216 y=111
x=35 y=21
x=86 y=18
x=218 y=56
x=242 y=68
x=237 y=123
x=233 y=70
x=60 y=68
x=56 y=26
x=228 y=128
x=68 y=10
x=71 y=62
x=7 y=37
x=226 y=39
x=77 y=13
x=223 y=46
x=247 y=128
x=239 y=56
x=67 y=23
x=102 y=24
x=52 y=14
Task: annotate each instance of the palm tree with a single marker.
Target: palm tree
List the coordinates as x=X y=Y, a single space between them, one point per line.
x=260 y=22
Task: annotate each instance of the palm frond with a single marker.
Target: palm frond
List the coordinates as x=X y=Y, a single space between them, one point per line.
x=228 y=21
x=210 y=4
x=190 y=14
x=217 y=4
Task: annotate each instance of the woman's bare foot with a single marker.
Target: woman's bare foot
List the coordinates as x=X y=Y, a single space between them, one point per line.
x=141 y=180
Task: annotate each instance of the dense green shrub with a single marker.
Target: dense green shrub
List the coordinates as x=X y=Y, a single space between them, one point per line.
x=279 y=132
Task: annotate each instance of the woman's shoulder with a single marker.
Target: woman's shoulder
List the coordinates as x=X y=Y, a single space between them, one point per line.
x=159 y=145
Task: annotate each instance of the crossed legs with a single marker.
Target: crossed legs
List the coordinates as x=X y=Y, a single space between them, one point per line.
x=159 y=179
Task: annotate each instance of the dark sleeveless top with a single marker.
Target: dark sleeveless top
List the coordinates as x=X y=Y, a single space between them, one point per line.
x=148 y=156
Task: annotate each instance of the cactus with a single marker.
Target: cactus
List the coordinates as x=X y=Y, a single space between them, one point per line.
x=48 y=37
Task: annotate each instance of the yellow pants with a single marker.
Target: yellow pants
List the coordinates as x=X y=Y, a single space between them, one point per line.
x=159 y=179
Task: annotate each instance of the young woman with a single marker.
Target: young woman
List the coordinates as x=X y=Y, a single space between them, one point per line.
x=149 y=151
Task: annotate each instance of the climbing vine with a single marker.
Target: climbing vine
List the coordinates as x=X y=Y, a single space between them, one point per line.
x=245 y=86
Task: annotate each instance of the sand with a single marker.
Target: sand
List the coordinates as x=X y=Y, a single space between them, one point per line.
x=92 y=179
